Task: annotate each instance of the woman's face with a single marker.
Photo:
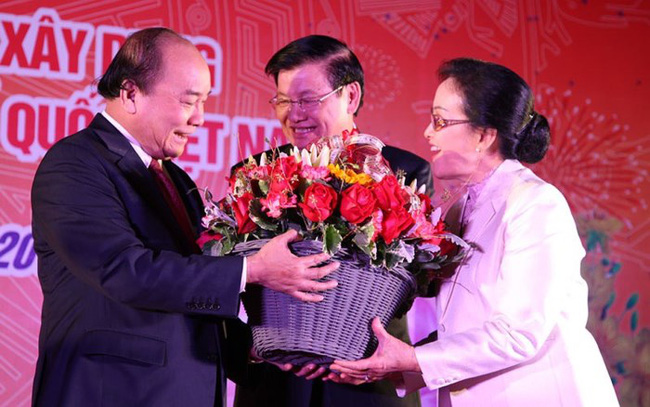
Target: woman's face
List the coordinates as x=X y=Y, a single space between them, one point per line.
x=453 y=147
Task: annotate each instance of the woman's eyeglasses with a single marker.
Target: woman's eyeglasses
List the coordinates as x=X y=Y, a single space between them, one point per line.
x=439 y=123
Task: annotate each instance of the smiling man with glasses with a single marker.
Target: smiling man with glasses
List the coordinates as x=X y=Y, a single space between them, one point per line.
x=319 y=91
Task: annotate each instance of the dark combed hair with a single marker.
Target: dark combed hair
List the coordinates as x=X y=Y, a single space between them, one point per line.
x=496 y=97
x=343 y=67
x=140 y=60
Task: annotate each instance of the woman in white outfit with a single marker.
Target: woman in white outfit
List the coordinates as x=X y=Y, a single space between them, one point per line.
x=512 y=317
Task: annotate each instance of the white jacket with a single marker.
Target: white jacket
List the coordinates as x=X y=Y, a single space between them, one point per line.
x=512 y=319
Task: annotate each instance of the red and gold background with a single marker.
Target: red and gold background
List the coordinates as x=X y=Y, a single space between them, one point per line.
x=586 y=61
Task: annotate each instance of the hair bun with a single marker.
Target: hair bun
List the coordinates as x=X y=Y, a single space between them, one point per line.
x=533 y=140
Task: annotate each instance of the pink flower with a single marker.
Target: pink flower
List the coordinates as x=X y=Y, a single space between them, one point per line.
x=314 y=173
x=275 y=202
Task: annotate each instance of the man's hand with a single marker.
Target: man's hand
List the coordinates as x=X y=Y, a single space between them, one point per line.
x=392 y=356
x=309 y=372
x=275 y=267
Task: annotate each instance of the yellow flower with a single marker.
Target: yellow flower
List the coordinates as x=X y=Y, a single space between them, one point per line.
x=349 y=176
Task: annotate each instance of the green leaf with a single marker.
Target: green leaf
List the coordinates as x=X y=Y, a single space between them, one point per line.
x=634 y=321
x=259 y=217
x=226 y=244
x=363 y=242
x=392 y=260
x=331 y=240
x=455 y=239
x=403 y=250
x=264 y=187
x=631 y=302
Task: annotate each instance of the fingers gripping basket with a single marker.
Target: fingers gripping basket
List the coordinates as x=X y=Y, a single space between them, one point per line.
x=287 y=330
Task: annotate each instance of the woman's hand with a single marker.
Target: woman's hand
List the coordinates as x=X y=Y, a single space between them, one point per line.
x=392 y=356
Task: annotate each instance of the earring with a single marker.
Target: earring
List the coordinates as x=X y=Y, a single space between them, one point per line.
x=478 y=149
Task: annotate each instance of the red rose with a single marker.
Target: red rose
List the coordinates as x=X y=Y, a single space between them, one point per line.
x=394 y=223
x=319 y=202
x=285 y=174
x=389 y=193
x=446 y=246
x=240 y=207
x=207 y=236
x=357 y=203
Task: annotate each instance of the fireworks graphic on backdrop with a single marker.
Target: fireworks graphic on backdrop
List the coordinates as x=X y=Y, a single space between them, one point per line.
x=593 y=159
x=600 y=166
x=382 y=77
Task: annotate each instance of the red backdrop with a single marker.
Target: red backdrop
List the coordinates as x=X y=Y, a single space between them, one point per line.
x=586 y=60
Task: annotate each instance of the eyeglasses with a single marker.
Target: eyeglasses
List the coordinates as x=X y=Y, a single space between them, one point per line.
x=439 y=123
x=282 y=104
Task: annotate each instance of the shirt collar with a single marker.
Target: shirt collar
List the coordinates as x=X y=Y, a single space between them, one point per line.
x=146 y=158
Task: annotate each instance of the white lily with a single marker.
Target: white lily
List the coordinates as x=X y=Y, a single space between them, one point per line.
x=263 y=159
x=413 y=186
x=322 y=159
x=296 y=153
x=312 y=157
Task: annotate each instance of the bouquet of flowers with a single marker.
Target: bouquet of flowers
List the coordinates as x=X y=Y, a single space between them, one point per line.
x=339 y=192
x=341 y=195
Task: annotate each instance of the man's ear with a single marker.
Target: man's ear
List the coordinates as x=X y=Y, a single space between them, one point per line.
x=353 y=96
x=128 y=93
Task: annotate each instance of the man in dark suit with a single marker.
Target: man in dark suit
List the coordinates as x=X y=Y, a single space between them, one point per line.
x=132 y=311
x=320 y=84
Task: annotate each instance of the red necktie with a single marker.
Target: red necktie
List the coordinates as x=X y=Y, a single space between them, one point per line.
x=173 y=199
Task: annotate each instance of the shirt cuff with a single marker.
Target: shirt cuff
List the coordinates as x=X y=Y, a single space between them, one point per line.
x=242 y=284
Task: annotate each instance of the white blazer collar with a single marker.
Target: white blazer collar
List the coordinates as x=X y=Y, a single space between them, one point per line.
x=490 y=199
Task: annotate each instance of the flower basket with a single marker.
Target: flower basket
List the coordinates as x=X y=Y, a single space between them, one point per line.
x=345 y=200
x=287 y=330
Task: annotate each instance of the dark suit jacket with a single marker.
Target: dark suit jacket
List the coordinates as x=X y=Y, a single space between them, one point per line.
x=269 y=386
x=130 y=315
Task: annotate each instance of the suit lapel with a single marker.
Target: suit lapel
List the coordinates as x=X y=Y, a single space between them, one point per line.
x=481 y=217
x=135 y=172
x=490 y=200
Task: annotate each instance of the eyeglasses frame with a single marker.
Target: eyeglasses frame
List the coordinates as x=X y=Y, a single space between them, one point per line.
x=273 y=101
x=445 y=122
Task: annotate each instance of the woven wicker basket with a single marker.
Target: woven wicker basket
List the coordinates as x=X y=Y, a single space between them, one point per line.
x=287 y=330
